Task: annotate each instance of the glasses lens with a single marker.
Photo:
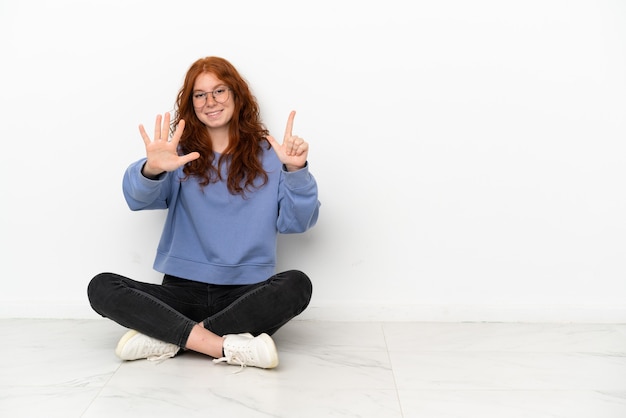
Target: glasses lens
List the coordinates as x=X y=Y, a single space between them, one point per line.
x=199 y=99
x=220 y=94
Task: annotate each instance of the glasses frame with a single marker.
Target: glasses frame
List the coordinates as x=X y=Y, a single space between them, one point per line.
x=195 y=96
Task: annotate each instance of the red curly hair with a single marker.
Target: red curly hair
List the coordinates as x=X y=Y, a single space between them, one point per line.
x=246 y=131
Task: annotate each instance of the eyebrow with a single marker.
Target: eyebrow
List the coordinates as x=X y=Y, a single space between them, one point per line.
x=214 y=88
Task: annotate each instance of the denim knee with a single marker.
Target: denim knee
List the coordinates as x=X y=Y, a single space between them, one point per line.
x=98 y=289
x=301 y=286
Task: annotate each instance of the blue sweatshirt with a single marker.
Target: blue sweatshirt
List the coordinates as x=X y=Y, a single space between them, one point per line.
x=215 y=237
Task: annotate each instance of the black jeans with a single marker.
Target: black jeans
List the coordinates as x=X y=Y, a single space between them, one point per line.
x=169 y=311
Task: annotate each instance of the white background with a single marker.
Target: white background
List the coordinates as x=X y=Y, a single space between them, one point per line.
x=470 y=155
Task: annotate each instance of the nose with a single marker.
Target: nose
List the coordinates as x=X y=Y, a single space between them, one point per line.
x=210 y=100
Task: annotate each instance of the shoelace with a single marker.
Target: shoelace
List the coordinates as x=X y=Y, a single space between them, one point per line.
x=161 y=358
x=235 y=358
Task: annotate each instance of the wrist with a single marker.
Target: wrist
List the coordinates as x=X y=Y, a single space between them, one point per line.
x=290 y=167
x=150 y=173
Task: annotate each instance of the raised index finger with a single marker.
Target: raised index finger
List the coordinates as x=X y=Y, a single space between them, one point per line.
x=289 y=127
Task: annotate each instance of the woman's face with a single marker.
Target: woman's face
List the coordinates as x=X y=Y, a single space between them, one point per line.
x=212 y=101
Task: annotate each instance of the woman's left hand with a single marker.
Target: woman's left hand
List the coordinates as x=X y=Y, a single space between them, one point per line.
x=294 y=150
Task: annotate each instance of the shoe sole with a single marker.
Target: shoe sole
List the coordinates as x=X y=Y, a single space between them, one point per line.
x=120 y=345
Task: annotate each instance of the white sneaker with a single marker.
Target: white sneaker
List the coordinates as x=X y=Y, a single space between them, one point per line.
x=134 y=346
x=246 y=350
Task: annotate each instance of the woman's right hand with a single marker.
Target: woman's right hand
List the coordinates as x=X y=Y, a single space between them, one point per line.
x=162 y=152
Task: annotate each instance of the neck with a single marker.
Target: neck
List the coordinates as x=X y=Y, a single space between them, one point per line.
x=219 y=139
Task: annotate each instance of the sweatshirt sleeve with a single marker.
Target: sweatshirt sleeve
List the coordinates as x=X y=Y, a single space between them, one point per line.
x=298 y=201
x=141 y=192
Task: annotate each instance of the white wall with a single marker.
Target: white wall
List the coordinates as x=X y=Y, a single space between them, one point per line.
x=470 y=154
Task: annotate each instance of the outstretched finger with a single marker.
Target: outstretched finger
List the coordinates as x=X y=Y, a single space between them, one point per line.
x=144 y=135
x=165 y=128
x=289 y=127
x=273 y=142
x=190 y=157
x=157 y=128
x=178 y=132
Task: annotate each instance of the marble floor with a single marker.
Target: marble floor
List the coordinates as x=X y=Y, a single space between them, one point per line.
x=67 y=368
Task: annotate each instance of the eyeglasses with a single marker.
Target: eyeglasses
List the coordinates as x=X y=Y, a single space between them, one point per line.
x=220 y=95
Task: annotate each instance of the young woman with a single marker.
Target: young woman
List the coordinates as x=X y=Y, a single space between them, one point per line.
x=229 y=188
